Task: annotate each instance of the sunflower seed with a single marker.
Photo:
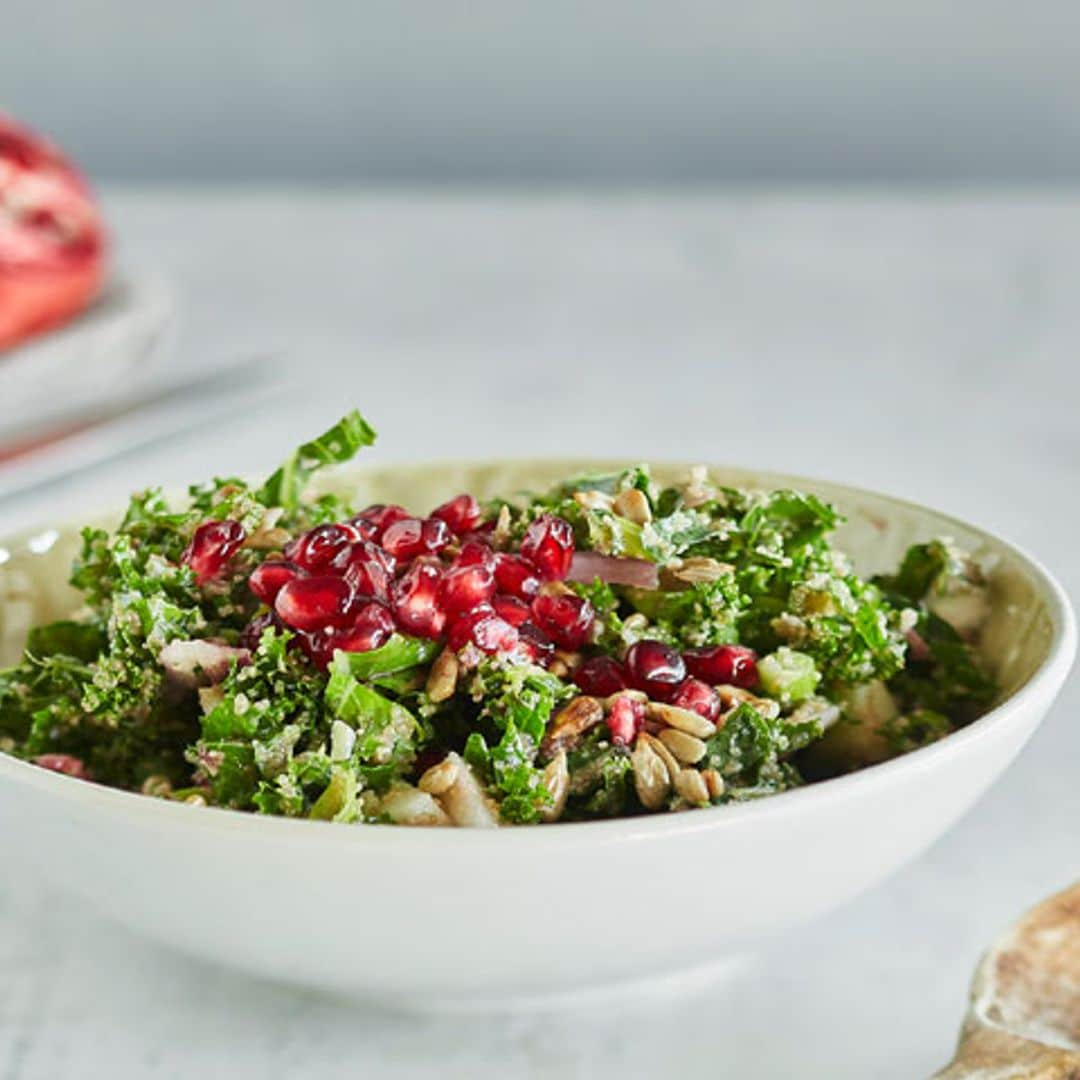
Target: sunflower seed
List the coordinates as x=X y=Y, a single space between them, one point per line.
x=195 y=799
x=156 y=785
x=732 y=696
x=663 y=753
x=500 y=535
x=691 y=786
x=633 y=505
x=593 y=500
x=714 y=782
x=443 y=677
x=570 y=723
x=440 y=778
x=680 y=719
x=634 y=695
x=465 y=801
x=696 y=570
x=557 y=781
x=651 y=779
x=685 y=747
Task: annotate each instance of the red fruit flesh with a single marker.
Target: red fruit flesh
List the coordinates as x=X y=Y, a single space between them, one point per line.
x=699 y=697
x=535 y=644
x=211 y=547
x=601 y=676
x=485 y=629
x=461 y=514
x=267 y=580
x=367 y=568
x=377 y=518
x=734 y=665
x=63 y=763
x=567 y=619
x=476 y=553
x=411 y=537
x=253 y=632
x=655 y=668
x=625 y=719
x=515 y=576
x=314 y=603
x=548 y=544
x=317 y=549
x=372 y=628
x=510 y=608
x=52 y=237
x=416 y=600
x=466 y=587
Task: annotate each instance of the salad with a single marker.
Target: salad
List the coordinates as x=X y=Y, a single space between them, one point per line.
x=600 y=649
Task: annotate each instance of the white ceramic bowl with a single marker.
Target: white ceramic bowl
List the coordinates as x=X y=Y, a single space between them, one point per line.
x=459 y=919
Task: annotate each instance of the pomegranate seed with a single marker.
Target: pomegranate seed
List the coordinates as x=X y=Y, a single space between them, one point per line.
x=515 y=576
x=567 y=619
x=625 y=719
x=461 y=514
x=252 y=634
x=734 y=665
x=655 y=668
x=485 y=629
x=211 y=547
x=601 y=676
x=367 y=568
x=548 y=544
x=378 y=517
x=317 y=647
x=411 y=537
x=415 y=597
x=316 y=550
x=267 y=579
x=476 y=553
x=536 y=644
x=63 y=763
x=373 y=626
x=312 y=603
x=510 y=608
x=699 y=697
x=466 y=587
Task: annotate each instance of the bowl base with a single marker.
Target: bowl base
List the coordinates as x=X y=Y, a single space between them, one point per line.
x=627 y=995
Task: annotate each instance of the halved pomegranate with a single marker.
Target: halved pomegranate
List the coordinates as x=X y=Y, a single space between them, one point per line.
x=52 y=236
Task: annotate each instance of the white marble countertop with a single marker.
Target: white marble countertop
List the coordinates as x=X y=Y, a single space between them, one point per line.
x=924 y=345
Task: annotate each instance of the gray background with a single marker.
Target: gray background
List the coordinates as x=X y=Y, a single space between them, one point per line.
x=563 y=91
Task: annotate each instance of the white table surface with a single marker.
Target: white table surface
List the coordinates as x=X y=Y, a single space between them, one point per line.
x=924 y=345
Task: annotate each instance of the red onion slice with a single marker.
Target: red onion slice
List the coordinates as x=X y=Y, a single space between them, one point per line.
x=586 y=566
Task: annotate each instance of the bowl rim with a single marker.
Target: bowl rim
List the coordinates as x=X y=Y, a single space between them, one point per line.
x=1046 y=680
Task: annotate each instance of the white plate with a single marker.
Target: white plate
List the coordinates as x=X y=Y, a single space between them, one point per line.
x=445 y=918
x=109 y=350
